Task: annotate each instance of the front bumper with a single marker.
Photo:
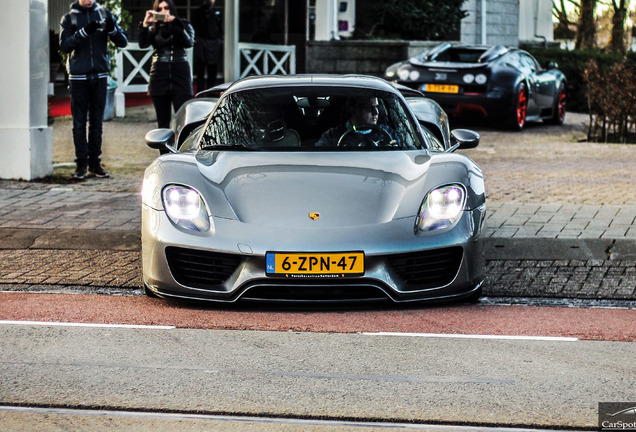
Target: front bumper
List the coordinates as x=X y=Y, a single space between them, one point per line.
x=494 y=103
x=487 y=104
x=391 y=251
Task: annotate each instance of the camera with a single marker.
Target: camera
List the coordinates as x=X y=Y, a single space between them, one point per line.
x=160 y=17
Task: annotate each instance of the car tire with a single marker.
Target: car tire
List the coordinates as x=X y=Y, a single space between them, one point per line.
x=517 y=117
x=474 y=297
x=558 y=111
x=149 y=292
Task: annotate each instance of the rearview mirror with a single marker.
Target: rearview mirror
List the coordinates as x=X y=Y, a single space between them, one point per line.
x=551 y=65
x=464 y=139
x=161 y=139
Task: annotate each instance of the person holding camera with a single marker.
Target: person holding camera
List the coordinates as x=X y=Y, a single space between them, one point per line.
x=84 y=34
x=170 y=80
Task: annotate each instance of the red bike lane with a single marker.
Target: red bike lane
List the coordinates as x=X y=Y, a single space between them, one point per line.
x=460 y=319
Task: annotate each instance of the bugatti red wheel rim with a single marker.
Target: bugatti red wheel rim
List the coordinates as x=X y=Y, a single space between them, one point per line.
x=522 y=106
x=561 y=104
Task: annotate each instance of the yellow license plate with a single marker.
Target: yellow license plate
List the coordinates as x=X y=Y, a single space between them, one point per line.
x=441 y=88
x=322 y=264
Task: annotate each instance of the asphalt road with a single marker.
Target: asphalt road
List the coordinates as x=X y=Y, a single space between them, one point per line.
x=133 y=360
x=359 y=376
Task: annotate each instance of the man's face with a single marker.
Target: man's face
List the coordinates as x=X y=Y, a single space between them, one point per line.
x=86 y=3
x=367 y=113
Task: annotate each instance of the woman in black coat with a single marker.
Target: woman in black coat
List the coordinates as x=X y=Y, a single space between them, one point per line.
x=170 y=75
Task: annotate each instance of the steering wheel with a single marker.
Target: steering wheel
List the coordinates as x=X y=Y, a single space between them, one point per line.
x=365 y=139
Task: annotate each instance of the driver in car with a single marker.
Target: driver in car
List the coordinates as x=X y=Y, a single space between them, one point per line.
x=361 y=129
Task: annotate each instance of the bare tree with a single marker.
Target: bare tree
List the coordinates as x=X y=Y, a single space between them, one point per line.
x=559 y=11
x=586 y=30
x=617 y=40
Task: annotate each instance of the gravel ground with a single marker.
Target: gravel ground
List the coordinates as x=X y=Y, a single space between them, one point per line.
x=554 y=164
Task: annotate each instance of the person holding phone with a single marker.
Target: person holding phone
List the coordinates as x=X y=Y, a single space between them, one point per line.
x=170 y=83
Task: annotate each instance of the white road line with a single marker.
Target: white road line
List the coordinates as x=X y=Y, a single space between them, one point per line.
x=472 y=336
x=63 y=324
x=422 y=335
x=264 y=420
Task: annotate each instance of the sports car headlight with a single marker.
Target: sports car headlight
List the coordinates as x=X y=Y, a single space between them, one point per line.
x=442 y=208
x=468 y=78
x=403 y=74
x=481 y=79
x=185 y=208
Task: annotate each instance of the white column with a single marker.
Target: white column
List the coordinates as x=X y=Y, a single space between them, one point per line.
x=543 y=25
x=484 y=27
x=232 y=63
x=326 y=20
x=26 y=141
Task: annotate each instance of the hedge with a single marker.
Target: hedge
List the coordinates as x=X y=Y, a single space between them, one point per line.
x=574 y=63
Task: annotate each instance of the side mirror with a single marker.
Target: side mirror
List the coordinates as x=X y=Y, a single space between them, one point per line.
x=161 y=139
x=551 y=65
x=464 y=139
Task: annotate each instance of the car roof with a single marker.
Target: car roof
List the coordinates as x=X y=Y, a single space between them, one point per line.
x=361 y=81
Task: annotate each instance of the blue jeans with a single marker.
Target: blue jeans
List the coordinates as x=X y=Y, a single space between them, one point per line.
x=88 y=100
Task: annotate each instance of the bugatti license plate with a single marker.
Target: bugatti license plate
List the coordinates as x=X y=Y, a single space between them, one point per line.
x=323 y=264
x=441 y=88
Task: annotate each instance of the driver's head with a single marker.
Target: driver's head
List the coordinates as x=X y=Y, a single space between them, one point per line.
x=365 y=111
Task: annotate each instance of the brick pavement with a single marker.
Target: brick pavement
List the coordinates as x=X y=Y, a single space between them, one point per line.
x=561 y=216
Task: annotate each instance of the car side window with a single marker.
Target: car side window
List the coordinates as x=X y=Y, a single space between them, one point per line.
x=434 y=142
x=227 y=125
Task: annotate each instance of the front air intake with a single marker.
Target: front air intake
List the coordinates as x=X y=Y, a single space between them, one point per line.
x=427 y=269
x=201 y=269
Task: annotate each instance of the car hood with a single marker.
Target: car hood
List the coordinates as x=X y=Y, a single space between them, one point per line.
x=336 y=188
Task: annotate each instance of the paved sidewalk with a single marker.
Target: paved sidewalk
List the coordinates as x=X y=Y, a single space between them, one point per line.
x=554 y=228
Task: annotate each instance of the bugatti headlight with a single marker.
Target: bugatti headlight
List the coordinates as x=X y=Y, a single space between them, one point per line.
x=185 y=208
x=442 y=208
x=481 y=79
x=403 y=74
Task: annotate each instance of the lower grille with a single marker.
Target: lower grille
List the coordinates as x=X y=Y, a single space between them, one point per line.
x=475 y=89
x=342 y=291
x=200 y=269
x=427 y=269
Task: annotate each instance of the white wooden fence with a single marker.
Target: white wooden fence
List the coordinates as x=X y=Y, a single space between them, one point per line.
x=133 y=65
x=264 y=59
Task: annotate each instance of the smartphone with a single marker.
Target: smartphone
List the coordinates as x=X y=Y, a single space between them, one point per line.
x=160 y=17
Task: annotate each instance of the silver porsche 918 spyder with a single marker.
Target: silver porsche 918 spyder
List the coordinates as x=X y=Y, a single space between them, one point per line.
x=312 y=188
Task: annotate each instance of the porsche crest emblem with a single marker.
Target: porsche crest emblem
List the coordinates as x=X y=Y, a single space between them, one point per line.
x=314 y=216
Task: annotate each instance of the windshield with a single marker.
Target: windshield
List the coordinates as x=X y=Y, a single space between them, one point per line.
x=316 y=118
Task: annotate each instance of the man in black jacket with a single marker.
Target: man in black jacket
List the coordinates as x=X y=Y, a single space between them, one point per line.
x=84 y=35
x=208 y=45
